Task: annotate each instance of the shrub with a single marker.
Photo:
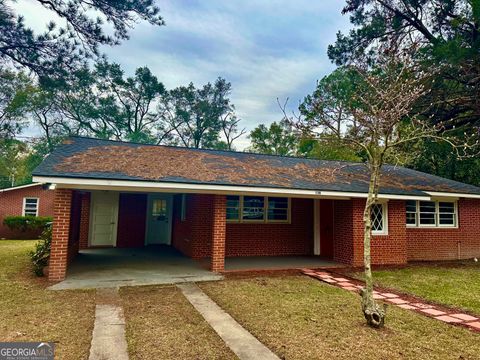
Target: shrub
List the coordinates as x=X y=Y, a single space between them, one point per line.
x=24 y=223
x=41 y=254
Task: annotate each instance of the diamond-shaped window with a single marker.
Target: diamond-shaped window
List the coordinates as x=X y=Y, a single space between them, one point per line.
x=377 y=217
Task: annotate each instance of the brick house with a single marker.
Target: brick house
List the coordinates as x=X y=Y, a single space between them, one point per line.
x=32 y=199
x=219 y=204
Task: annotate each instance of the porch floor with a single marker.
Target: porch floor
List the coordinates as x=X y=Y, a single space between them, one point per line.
x=113 y=267
x=278 y=263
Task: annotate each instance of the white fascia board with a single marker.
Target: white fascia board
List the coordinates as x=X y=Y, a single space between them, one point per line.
x=380 y=196
x=148 y=186
x=435 y=194
x=21 y=187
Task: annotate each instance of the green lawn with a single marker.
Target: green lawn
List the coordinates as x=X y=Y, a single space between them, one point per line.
x=456 y=284
x=29 y=312
x=301 y=318
x=161 y=324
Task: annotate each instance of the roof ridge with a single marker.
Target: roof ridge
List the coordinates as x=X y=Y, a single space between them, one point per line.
x=221 y=150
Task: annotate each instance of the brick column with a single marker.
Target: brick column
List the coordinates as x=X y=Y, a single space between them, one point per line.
x=62 y=204
x=218 y=233
x=84 y=220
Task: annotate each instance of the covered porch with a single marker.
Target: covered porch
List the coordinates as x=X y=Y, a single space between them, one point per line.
x=161 y=264
x=105 y=235
x=150 y=265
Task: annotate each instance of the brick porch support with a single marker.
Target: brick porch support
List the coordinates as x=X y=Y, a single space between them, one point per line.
x=84 y=220
x=218 y=233
x=62 y=204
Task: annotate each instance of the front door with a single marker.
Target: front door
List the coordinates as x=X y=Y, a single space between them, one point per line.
x=159 y=219
x=103 y=229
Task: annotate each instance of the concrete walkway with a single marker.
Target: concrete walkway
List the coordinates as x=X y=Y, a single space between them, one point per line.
x=239 y=340
x=108 y=338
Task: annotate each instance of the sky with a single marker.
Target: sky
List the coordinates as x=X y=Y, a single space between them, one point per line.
x=267 y=49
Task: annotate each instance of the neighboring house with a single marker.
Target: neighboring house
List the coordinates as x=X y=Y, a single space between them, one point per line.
x=32 y=199
x=217 y=204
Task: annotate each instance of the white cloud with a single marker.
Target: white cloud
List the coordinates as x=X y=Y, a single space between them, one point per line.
x=267 y=49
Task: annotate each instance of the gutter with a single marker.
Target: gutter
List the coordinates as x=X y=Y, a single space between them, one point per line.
x=148 y=186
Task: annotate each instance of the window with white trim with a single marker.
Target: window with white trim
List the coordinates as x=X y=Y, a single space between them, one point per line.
x=378 y=216
x=30 y=206
x=431 y=213
x=258 y=209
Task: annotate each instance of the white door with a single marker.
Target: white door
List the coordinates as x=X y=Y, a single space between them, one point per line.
x=104 y=216
x=159 y=219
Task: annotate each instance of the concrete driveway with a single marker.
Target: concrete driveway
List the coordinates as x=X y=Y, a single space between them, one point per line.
x=114 y=267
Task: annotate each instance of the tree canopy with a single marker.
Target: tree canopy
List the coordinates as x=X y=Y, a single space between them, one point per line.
x=277 y=139
x=447 y=34
x=61 y=48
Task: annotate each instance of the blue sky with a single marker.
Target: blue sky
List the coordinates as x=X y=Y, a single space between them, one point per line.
x=266 y=49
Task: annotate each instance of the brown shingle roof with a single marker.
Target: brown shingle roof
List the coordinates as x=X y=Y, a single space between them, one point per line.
x=93 y=158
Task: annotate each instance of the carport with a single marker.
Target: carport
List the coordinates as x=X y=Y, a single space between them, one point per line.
x=113 y=267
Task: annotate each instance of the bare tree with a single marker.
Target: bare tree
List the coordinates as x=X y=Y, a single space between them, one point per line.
x=379 y=120
x=230 y=129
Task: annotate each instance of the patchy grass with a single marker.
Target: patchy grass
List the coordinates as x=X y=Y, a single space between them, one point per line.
x=29 y=312
x=162 y=324
x=456 y=284
x=301 y=318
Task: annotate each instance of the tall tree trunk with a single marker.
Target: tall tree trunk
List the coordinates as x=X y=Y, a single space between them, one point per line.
x=374 y=314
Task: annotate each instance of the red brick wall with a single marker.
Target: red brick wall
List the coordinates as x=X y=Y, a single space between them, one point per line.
x=60 y=234
x=193 y=237
x=11 y=203
x=448 y=244
x=132 y=217
x=343 y=231
x=218 y=233
x=385 y=249
x=296 y=238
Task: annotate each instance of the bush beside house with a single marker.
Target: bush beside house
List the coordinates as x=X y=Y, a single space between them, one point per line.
x=27 y=223
x=24 y=210
x=41 y=254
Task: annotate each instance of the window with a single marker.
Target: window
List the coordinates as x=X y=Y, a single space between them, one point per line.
x=446 y=214
x=427 y=213
x=411 y=209
x=379 y=219
x=233 y=208
x=30 y=206
x=159 y=208
x=431 y=213
x=183 y=211
x=257 y=209
x=278 y=209
x=253 y=208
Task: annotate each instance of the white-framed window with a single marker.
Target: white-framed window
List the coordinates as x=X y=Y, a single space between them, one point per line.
x=30 y=206
x=431 y=213
x=261 y=209
x=379 y=218
x=183 y=209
